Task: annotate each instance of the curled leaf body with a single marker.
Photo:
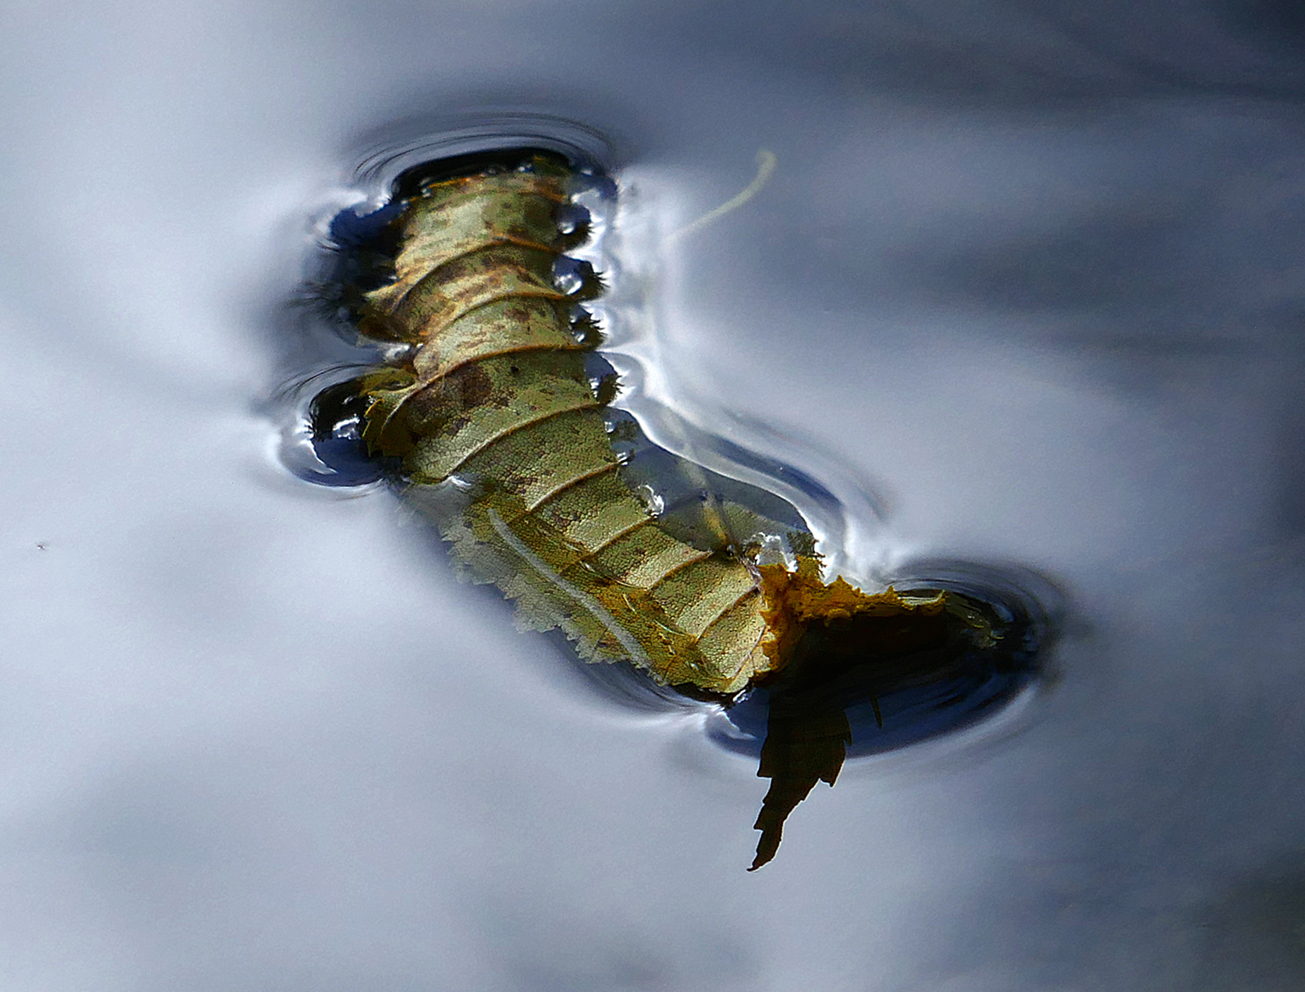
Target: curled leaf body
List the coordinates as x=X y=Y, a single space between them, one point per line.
x=504 y=442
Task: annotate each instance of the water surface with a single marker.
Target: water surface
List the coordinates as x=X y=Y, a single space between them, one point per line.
x=1029 y=281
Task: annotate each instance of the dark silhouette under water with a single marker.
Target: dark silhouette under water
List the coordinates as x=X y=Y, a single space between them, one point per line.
x=929 y=673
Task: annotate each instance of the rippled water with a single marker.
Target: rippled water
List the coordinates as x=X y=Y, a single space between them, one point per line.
x=1025 y=284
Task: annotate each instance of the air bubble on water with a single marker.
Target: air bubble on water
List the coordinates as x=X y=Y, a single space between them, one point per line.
x=571 y=217
x=572 y=275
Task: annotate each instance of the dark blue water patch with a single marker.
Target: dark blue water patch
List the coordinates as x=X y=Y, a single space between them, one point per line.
x=332 y=425
x=895 y=719
x=888 y=684
x=360 y=253
x=351 y=228
x=399 y=156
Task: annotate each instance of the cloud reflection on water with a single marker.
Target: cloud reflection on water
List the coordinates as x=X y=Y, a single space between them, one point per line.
x=1037 y=276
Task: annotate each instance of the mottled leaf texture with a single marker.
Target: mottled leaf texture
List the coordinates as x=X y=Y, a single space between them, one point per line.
x=505 y=444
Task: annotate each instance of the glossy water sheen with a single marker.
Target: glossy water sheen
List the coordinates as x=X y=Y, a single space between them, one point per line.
x=1031 y=276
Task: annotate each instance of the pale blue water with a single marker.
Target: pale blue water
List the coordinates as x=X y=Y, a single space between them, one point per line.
x=1027 y=281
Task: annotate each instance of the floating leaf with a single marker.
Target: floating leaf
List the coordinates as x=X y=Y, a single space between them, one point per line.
x=504 y=439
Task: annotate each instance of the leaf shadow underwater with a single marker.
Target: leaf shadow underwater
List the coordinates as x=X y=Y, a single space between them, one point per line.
x=866 y=685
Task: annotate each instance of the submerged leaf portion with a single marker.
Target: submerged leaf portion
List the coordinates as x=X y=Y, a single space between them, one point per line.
x=795 y=599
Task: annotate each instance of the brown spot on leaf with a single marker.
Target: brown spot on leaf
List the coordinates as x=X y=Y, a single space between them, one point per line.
x=473 y=387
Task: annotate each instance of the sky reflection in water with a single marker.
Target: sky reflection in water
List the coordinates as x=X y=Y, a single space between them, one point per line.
x=1034 y=278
